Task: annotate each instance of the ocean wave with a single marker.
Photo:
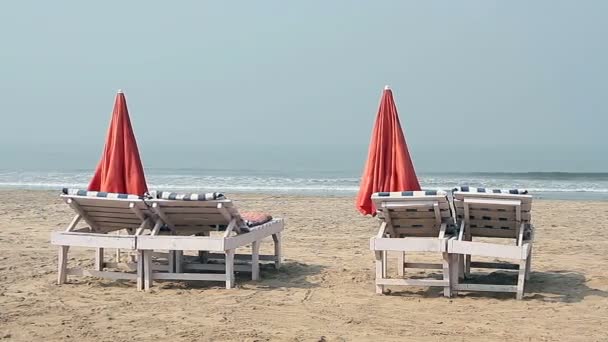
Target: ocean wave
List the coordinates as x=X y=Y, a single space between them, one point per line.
x=258 y=182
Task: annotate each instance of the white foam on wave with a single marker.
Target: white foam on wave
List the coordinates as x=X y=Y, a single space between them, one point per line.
x=313 y=185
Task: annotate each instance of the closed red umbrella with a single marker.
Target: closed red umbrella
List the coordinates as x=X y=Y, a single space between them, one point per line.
x=389 y=166
x=120 y=169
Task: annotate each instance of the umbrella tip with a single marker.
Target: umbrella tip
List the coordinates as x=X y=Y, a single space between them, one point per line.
x=387 y=87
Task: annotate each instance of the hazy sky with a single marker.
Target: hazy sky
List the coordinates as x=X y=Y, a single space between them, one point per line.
x=493 y=79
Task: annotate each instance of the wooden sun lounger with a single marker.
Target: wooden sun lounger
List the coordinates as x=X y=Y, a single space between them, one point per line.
x=192 y=225
x=499 y=214
x=104 y=213
x=412 y=221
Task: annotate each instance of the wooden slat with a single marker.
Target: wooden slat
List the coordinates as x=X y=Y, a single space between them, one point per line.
x=495 y=214
x=111 y=226
x=412 y=282
x=123 y=220
x=474 y=223
x=263 y=231
x=197 y=216
x=493 y=232
x=190 y=230
x=414 y=223
x=107 y=202
x=189 y=276
x=494 y=265
x=108 y=210
x=218 y=256
x=523 y=198
x=428 y=266
x=486 y=249
x=197 y=221
x=459 y=205
x=399 y=214
x=417 y=232
x=410 y=244
x=486 y=288
x=491 y=202
x=121 y=215
x=191 y=210
x=184 y=243
x=93 y=240
x=397 y=204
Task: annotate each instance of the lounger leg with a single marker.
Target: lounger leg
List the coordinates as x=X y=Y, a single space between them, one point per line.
x=521 y=278
x=140 y=270
x=277 y=250
x=400 y=263
x=255 y=263
x=467 y=258
x=118 y=250
x=229 y=269
x=132 y=257
x=99 y=259
x=529 y=264
x=179 y=261
x=467 y=266
x=384 y=263
x=379 y=271
x=62 y=264
x=460 y=266
x=454 y=270
x=147 y=261
x=202 y=257
x=171 y=262
x=447 y=290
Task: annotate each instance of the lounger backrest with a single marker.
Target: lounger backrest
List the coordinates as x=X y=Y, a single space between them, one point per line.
x=106 y=212
x=414 y=213
x=190 y=213
x=492 y=213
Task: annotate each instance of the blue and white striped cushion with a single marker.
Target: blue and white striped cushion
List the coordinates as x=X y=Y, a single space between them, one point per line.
x=411 y=193
x=471 y=189
x=79 y=192
x=211 y=196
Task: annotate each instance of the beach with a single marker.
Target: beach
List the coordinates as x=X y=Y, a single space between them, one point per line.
x=323 y=292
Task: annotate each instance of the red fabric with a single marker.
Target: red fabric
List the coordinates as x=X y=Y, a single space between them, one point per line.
x=120 y=169
x=389 y=166
x=255 y=218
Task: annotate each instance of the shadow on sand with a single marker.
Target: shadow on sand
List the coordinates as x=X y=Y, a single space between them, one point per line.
x=552 y=286
x=292 y=274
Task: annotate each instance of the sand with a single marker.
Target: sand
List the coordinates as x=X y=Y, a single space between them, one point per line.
x=324 y=292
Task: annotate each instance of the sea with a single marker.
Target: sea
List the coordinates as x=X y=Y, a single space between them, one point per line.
x=549 y=185
x=282 y=169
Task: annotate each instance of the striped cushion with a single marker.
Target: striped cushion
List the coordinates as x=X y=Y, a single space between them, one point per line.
x=211 y=196
x=79 y=192
x=490 y=191
x=411 y=193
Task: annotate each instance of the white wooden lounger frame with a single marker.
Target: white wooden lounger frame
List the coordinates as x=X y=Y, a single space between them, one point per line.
x=186 y=218
x=412 y=224
x=495 y=216
x=103 y=215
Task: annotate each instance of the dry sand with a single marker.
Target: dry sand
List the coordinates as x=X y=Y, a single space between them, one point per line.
x=324 y=292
